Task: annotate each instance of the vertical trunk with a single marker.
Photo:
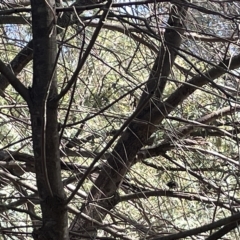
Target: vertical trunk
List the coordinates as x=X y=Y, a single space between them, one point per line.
x=45 y=124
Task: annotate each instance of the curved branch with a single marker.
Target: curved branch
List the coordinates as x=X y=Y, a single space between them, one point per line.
x=223 y=222
x=14 y=81
x=163 y=193
x=208 y=118
x=17 y=64
x=223 y=231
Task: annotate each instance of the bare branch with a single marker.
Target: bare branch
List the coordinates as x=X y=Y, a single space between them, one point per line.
x=19 y=87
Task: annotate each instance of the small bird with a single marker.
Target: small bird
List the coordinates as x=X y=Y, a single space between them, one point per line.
x=172 y=184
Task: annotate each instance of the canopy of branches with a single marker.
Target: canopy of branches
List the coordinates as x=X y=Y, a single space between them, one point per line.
x=119 y=119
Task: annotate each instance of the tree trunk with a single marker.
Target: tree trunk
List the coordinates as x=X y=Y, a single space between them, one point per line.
x=133 y=139
x=44 y=123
